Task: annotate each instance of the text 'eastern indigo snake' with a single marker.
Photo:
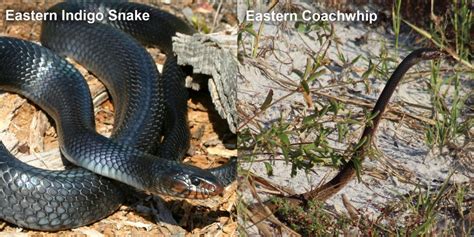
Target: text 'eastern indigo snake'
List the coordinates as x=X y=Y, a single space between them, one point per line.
x=147 y=105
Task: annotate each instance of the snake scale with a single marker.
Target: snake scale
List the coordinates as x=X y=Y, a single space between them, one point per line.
x=145 y=102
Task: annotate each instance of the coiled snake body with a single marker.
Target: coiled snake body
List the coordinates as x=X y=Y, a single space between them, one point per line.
x=55 y=200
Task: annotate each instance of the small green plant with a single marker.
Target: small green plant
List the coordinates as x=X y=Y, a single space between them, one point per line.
x=450 y=33
x=246 y=30
x=307 y=27
x=280 y=138
x=426 y=204
x=449 y=124
x=396 y=20
x=313 y=220
x=200 y=23
x=447 y=99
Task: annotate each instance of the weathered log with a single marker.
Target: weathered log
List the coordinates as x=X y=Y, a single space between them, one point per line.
x=214 y=55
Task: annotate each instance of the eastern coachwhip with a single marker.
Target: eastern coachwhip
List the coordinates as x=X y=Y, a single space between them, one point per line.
x=349 y=169
x=55 y=200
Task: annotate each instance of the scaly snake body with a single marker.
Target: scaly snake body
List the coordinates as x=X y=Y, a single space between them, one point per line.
x=55 y=200
x=348 y=170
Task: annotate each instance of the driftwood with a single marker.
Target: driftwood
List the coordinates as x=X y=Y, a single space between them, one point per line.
x=213 y=55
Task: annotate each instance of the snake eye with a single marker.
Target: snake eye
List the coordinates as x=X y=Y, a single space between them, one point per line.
x=195 y=181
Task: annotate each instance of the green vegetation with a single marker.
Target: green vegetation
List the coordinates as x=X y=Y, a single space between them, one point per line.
x=396 y=20
x=325 y=133
x=414 y=214
x=313 y=220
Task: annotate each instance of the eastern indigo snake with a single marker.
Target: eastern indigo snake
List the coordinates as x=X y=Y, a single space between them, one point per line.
x=144 y=103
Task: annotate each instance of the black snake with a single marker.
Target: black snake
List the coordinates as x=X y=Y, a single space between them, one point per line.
x=144 y=102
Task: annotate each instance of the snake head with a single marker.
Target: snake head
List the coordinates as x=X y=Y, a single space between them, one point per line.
x=187 y=182
x=428 y=54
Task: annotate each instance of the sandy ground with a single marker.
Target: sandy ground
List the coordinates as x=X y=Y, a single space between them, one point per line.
x=404 y=162
x=28 y=134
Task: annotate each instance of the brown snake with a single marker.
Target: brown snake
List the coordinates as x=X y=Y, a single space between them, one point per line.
x=348 y=171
